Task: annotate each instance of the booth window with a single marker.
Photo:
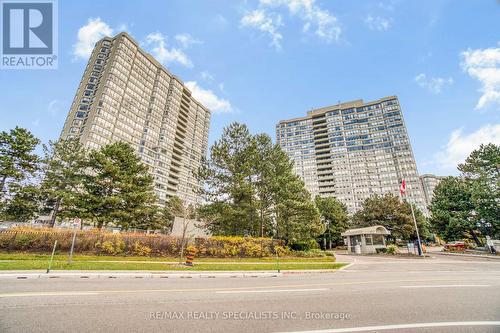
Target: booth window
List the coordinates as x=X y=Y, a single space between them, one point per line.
x=378 y=239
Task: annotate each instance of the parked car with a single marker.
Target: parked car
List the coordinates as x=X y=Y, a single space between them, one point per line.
x=455 y=246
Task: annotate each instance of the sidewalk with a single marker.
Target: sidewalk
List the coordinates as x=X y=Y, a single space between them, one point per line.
x=471 y=255
x=40 y=274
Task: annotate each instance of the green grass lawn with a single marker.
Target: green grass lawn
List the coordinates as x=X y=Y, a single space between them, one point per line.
x=77 y=257
x=27 y=261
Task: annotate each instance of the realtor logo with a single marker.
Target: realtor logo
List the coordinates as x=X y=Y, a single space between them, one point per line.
x=29 y=34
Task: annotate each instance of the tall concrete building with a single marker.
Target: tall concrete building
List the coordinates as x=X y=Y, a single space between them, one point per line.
x=126 y=95
x=429 y=183
x=352 y=150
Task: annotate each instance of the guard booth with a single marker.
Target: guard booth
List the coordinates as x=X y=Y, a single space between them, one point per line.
x=365 y=240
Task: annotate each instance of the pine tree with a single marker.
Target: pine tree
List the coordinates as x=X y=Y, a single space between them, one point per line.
x=17 y=159
x=227 y=175
x=25 y=204
x=64 y=170
x=297 y=218
x=118 y=188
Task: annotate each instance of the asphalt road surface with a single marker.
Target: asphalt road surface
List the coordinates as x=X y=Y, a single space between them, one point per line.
x=374 y=294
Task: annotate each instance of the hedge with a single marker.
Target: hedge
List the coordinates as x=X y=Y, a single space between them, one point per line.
x=105 y=243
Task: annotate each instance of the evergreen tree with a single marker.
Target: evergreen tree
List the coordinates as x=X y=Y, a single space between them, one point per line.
x=481 y=172
x=25 y=204
x=452 y=211
x=227 y=175
x=297 y=218
x=17 y=159
x=64 y=171
x=264 y=181
x=118 y=188
x=251 y=190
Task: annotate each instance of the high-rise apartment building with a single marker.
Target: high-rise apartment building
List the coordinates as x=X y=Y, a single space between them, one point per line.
x=429 y=183
x=126 y=95
x=352 y=150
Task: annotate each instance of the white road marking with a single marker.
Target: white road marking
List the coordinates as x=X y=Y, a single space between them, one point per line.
x=402 y=326
x=63 y=293
x=268 y=291
x=447 y=286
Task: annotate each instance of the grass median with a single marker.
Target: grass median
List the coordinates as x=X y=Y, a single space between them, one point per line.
x=28 y=261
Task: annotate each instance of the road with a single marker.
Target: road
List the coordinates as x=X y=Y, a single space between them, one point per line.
x=440 y=294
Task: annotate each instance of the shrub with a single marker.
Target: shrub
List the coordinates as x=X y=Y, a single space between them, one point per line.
x=381 y=250
x=140 y=249
x=305 y=245
x=281 y=250
x=128 y=243
x=107 y=247
x=392 y=249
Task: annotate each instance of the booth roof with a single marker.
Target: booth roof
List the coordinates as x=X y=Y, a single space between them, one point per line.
x=374 y=230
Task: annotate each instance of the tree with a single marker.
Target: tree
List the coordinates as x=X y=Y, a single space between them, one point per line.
x=334 y=215
x=227 y=175
x=118 y=188
x=389 y=211
x=297 y=218
x=263 y=169
x=64 y=166
x=175 y=208
x=24 y=205
x=481 y=173
x=17 y=160
x=251 y=189
x=452 y=210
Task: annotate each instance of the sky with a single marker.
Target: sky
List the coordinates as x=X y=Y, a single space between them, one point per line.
x=258 y=62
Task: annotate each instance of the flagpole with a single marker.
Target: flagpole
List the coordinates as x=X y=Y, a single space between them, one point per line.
x=402 y=192
x=416 y=228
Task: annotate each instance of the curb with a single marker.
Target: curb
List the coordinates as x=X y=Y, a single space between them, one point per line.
x=467 y=255
x=24 y=276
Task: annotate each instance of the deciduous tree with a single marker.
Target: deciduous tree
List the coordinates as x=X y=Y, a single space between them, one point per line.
x=389 y=211
x=334 y=216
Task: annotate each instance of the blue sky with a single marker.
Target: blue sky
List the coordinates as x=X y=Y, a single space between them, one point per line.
x=258 y=62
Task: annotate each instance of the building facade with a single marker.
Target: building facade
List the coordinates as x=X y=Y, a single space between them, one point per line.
x=353 y=150
x=429 y=183
x=126 y=95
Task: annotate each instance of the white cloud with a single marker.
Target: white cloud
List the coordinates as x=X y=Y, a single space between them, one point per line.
x=460 y=145
x=209 y=99
x=207 y=76
x=323 y=23
x=54 y=107
x=186 y=40
x=377 y=23
x=88 y=35
x=484 y=66
x=264 y=22
x=157 y=43
x=434 y=84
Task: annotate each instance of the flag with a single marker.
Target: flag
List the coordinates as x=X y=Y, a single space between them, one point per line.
x=402 y=188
